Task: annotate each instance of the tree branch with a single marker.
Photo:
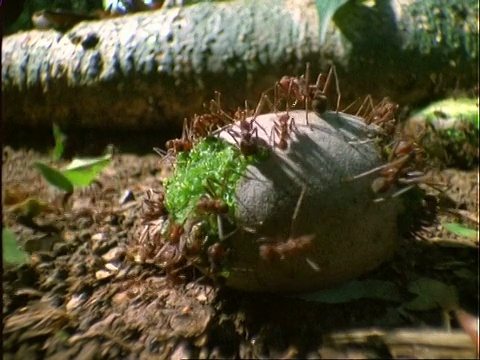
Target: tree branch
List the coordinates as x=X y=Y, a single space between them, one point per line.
x=149 y=69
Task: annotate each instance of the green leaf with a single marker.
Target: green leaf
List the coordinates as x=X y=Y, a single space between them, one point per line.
x=82 y=172
x=354 y=290
x=461 y=230
x=12 y=254
x=431 y=294
x=54 y=177
x=59 y=142
x=449 y=111
x=326 y=9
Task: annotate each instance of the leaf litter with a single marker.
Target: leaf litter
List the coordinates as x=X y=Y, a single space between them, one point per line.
x=56 y=306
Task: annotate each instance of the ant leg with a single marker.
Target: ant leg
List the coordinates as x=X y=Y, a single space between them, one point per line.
x=368 y=104
x=276 y=99
x=221 y=234
x=220 y=227
x=297 y=209
x=307 y=95
x=234 y=134
x=327 y=80
x=292 y=126
x=368 y=172
x=349 y=106
x=258 y=109
x=397 y=163
x=400 y=161
x=337 y=87
x=271 y=138
x=398 y=193
x=215 y=108
x=160 y=152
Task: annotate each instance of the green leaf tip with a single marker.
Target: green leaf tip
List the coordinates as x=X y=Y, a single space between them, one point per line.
x=54 y=177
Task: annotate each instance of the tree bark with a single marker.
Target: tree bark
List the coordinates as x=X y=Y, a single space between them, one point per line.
x=152 y=69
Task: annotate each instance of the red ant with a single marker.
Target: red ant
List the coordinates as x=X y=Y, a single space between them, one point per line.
x=248 y=135
x=311 y=94
x=282 y=130
x=405 y=160
x=211 y=204
x=248 y=143
x=184 y=144
x=175 y=231
x=154 y=207
x=293 y=246
x=214 y=206
x=204 y=124
x=290 y=248
x=217 y=254
x=383 y=115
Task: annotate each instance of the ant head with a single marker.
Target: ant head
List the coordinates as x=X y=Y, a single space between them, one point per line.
x=320 y=103
x=216 y=252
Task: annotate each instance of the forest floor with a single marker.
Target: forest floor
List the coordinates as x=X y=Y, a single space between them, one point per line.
x=84 y=295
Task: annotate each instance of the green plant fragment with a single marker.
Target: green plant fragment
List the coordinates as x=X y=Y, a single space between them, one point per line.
x=12 y=253
x=82 y=172
x=326 y=9
x=29 y=208
x=432 y=294
x=354 y=290
x=54 y=177
x=461 y=230
x=451 y=110
x=60 y=138
x=212 y=168
x=452 y=130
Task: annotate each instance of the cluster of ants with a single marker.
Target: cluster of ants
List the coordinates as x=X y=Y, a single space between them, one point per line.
x=407 y=161
x=288 y=90
x=178 y=246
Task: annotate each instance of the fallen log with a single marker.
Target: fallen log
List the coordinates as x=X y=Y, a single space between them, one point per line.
x=155 y=68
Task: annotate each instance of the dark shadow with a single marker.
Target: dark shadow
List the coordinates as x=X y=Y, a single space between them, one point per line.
x=270 y=325
x=88 y=142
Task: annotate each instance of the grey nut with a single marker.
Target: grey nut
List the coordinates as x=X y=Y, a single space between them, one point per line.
x=349 y=233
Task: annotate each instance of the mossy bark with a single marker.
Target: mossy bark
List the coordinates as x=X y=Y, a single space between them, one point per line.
x=150 y=69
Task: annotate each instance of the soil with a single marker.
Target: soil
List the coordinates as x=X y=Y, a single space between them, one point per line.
x=85 y=295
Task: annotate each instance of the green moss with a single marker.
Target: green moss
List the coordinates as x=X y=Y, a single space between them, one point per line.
x=212 y=166
x=463 y=109
x=453 y=130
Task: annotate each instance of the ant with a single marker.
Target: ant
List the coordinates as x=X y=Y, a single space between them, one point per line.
x=405 y=160
x=290 y=248
x=206 y=124
x=320 y=99
x=282 y=130
x=217 y=254
x=154 y=207
x=210 y=203
x=293 y=246
x=175 y=231
x=202 y=125
x=311 y=94
x=184 y=144
x=383 y=115
x=248 y=135
x=248 y=143
x=213 y=206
